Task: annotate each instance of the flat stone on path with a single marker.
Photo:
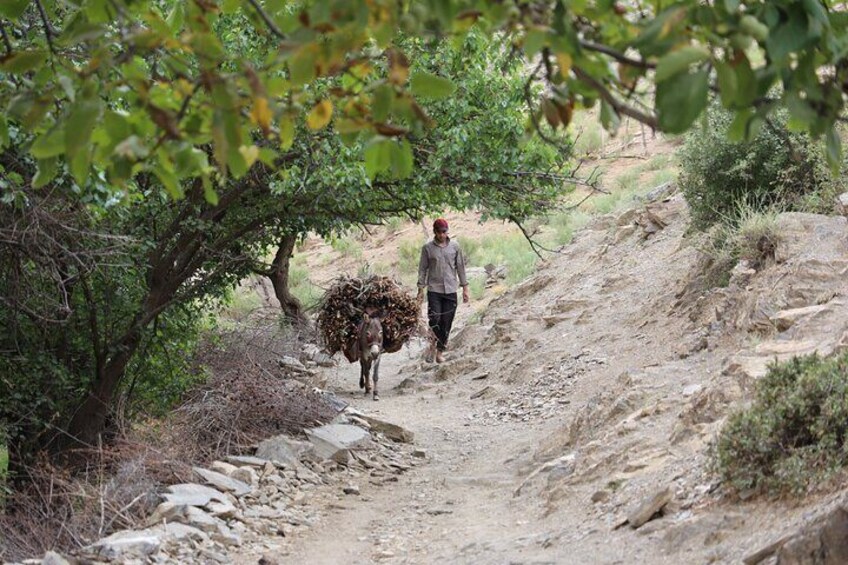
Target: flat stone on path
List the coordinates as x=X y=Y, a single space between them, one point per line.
x=191 y=494
x=128 y=543
x=246 y=460
x=223 y=482
x=391 y=431
x=282 y=449
x=646 y=510
x=334 y=441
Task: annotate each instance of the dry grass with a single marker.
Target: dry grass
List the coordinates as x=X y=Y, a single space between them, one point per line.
x=247 y=397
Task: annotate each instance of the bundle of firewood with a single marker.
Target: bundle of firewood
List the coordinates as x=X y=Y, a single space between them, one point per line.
x=348 y=299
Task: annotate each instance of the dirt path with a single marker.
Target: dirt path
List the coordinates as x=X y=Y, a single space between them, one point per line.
x=459 y=506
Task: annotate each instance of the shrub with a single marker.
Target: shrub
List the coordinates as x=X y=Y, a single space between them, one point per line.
x=748 y=235
x=778 y=168
x=794 y=434
x=347 y=246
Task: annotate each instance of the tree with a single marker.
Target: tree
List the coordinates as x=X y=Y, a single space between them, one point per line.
x=145 y=263
x=126 y=87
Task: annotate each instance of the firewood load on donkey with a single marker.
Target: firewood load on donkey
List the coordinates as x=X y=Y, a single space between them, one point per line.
x=364 y=318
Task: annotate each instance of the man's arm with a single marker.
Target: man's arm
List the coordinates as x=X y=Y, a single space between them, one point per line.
x=423 y=271
x=460 y=271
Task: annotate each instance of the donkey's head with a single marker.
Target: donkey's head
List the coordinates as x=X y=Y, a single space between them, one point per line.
x=371 y=337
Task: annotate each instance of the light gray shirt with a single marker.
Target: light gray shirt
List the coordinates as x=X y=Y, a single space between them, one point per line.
x=440 y=267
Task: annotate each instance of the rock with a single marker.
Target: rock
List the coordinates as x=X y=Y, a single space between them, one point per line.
x=391 y=431
x=199 y=519
x=785 y=319
x=624 y=232
x=191 y=494
x=483 y=392
x=53 y=558
x=289 y=362
x=226 y=537
x=283 y=449
x=246 y=460
x=222 y=510
x=178 y=532
x=419 y=454
x=627 y=218
x=334 y=441
x=246 y=475
x=351 y=489
x=269 y=559
x=660 y=192
x=223 y=482
x=601 y=496
x=166 y=512
x=223 y=468
x=128 y=543
x=690 y=390
x=649 y=507
x=842 y=204
x=825 y=542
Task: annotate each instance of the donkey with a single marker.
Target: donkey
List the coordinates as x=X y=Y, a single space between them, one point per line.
x=370 y=342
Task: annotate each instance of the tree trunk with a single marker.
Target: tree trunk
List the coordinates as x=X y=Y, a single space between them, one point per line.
x=279 y=275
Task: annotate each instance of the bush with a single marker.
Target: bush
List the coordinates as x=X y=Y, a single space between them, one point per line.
x=794 y=434
x=748 y=235
x=778 y=169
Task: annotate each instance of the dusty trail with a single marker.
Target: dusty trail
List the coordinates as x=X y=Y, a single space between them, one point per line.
x=458 y=507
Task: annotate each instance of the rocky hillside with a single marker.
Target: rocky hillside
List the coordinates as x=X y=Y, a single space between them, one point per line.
x=571 y=423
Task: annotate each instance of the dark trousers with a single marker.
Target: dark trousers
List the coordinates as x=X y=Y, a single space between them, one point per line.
x=441 y=308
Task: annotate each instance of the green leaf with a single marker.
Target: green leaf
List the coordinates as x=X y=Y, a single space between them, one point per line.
x=534 y=41
x=727 y=83
x=833 y=149
x=23 y=61
x=47 y=169
x=209 y=190
x=681 y=99
x=4 y=132
x=378 y=156
x=792 y=34
x=80 y=165
x=79 y=125
x=170 y=181
x=381 y=104
x=402 y=160
x=286 y=132
x=679 y=61
x=302 y=67
x=49 y=144
x=13 y=9
x=426 y=85
x=176 y=17
x=609 y=117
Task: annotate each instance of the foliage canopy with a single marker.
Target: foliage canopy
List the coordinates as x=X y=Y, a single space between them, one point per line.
x=206 y=89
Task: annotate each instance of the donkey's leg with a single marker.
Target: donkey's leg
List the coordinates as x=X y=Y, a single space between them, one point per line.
x=376 y=376
x=361 y=372
x=366 y=375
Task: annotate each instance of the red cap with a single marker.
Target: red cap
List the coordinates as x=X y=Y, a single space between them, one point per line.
x=440 y=224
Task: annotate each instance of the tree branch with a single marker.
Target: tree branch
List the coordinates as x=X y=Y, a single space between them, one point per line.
x=6 y=41
x=620 y=107
x=48 y=31
x=267 y=19
x=620 y=57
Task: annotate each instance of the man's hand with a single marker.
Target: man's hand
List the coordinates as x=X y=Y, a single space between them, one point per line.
x=465 y=297
x=420 y=297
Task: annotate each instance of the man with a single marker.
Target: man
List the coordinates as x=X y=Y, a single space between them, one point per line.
x=440 y=266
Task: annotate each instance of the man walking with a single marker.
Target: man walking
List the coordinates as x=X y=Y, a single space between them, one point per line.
x=441 y=264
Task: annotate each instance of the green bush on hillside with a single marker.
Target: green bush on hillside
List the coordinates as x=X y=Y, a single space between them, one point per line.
x=794 y=434
x=779 y=169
